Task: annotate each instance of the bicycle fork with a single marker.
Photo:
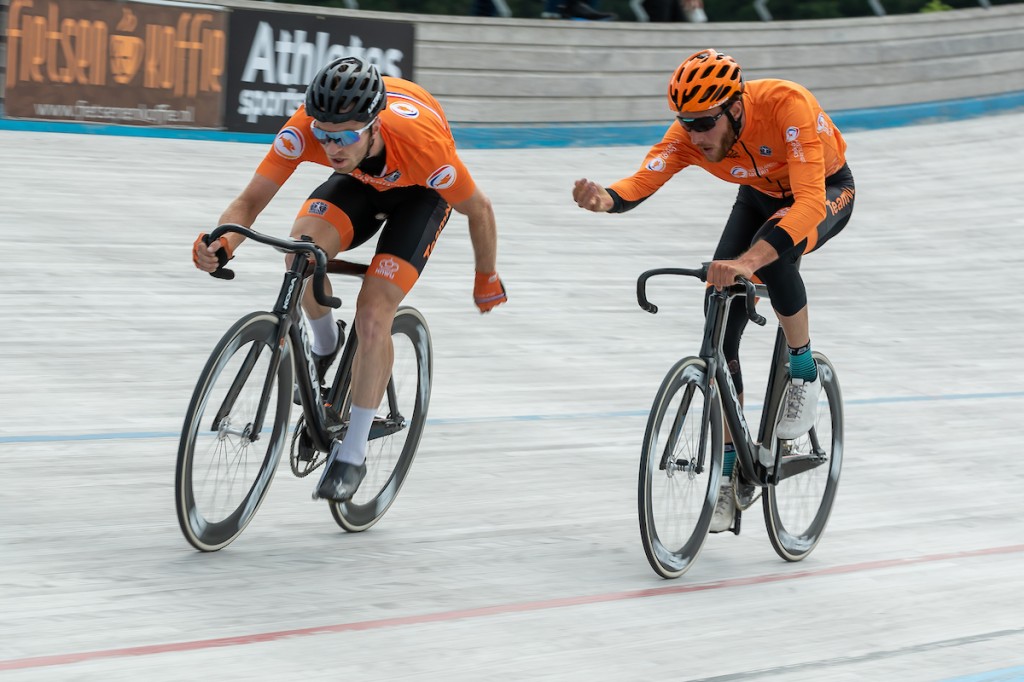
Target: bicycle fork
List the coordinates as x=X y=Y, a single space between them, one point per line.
x=251 y=431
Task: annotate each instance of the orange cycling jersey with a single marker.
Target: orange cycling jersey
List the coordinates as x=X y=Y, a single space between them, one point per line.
x=787 y=147
x=418 y=145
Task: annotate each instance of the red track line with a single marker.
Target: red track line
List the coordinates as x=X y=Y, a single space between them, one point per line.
x=462 y=614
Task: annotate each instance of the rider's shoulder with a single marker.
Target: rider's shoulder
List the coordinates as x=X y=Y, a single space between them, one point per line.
x=772 y=90
x=294 y=142
x=408 y=100
x=412 y=117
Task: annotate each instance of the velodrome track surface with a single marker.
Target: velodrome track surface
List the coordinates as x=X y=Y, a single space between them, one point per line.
x=513 y=552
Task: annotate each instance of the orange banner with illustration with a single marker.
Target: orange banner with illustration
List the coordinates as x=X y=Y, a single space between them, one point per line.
x=107 y=61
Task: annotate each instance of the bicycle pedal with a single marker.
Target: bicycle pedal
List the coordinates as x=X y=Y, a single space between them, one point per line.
x=736 y=521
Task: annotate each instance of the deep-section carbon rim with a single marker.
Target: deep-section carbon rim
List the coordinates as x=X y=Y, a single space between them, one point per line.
x=797 y=510
x=224 y=467
x=678 y=485
x=398 y=425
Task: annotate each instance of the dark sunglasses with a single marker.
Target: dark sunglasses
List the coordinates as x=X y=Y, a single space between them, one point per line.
x=342 y=138
x=701 y=124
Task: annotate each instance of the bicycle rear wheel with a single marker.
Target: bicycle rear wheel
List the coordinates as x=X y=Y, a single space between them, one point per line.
x=797 y=509
x=679 y=483
x=396 y=430
x=225 y=460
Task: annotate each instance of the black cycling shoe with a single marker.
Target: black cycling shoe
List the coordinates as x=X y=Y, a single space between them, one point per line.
x=340 y=481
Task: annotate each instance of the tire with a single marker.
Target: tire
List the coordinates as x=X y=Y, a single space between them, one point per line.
x=797 y=508
x=676 y=501
x=222 y=473
x=389 y=456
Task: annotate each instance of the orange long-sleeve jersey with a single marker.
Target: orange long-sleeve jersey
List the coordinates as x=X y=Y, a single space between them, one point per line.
x=418 y=142
x=787 y=147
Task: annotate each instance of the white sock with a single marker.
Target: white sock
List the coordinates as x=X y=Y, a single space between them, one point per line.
x=353 y=448
x=325 y=334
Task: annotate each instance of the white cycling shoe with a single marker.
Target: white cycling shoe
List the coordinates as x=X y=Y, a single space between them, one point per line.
x=799 y=408
x=725 y=510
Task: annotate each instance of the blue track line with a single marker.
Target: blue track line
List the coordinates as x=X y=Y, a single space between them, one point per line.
x=521 y=136
x=1004 y=675
x=565 y=416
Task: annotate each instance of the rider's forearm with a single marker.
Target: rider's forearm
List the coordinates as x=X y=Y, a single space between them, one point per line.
x=620 y=205
x=483 y=232
x=239 y=212
x=248 y=205
x=759 y=255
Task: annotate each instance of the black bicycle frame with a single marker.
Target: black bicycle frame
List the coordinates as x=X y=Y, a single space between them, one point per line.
x=290 y=330
x=320 y=426
x=758 y=464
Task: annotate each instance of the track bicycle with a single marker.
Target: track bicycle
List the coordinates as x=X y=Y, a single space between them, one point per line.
x=237 y=424
x=682 y=454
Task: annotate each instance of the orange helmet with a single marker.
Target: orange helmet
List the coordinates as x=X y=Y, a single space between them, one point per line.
x=703 y=81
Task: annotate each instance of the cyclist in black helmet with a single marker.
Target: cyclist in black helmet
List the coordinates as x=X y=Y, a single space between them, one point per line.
x=396 y=171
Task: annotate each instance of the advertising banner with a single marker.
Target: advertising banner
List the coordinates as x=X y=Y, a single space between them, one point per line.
x=273 y=56
x=116 y=62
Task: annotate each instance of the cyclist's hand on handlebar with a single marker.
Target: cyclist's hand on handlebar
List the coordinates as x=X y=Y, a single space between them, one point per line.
x=205 y=256
x=592 y=196
x=488 y=291
x=723 y=273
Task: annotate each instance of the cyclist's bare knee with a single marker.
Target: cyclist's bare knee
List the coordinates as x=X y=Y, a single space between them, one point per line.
x=322 y=233
x=375 y=309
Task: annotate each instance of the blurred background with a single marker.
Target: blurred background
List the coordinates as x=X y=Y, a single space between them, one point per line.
x=717 y=10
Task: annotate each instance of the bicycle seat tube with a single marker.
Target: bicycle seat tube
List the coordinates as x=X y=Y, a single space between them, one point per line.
x=774 y=393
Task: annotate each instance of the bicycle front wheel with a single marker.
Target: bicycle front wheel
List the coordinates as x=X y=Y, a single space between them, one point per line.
x=796 y=510
x=397 y=427
x=227 y=456
x=679 y=482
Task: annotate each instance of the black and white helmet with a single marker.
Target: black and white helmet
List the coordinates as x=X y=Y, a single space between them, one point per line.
x=347 y=89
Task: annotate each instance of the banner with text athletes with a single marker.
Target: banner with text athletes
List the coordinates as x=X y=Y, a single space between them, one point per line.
x=273 y=56
x=116 y=62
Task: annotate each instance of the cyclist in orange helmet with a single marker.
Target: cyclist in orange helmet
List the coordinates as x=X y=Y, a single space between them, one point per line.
x=796 y=192
x=395 y=170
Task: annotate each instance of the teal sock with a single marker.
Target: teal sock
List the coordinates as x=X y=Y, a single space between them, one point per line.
x=801 y=363
x=728 y=460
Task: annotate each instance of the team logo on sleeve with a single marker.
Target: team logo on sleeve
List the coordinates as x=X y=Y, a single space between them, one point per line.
x=823 y=126
x=288 y=143
x=792 y=133
x=656 y=164
x=443 y=178
x=404 y=109
x=317 y=208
